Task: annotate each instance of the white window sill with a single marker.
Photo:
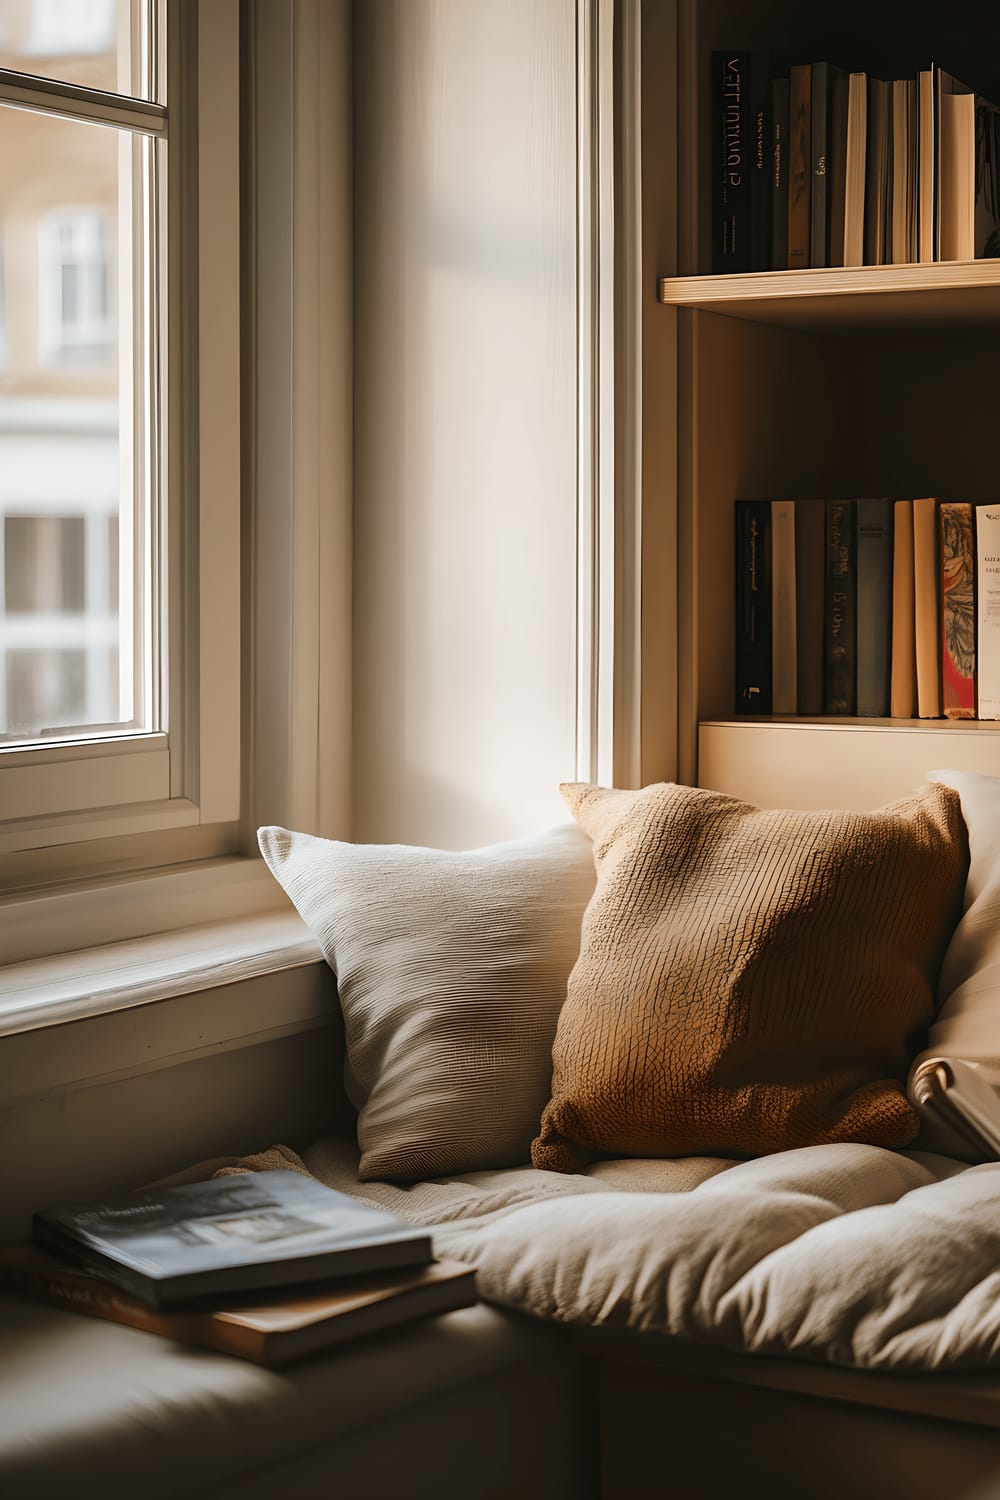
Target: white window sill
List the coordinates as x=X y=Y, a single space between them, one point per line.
x=127 y=1008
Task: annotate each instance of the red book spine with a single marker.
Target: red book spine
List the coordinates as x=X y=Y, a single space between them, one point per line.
x=958 y=615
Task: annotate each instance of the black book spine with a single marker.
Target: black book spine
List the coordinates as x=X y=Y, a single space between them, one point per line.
x=819 y=144
x=760 y=161
x=840 y=627
x=753 y=607
x=731 y=162
x=779 y=174
x=874 y=596
x=799 y=165
x=810 y=571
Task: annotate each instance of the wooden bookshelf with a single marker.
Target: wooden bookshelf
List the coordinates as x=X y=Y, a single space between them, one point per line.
x=947 y=294
x=869 y=380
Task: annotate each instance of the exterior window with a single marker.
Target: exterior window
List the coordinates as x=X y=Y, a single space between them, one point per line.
x=62 y=28
x=75 y=273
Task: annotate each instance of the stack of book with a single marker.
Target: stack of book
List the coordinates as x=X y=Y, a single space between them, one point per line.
x=269 y=1266
x=817 y=166
x=879 y=607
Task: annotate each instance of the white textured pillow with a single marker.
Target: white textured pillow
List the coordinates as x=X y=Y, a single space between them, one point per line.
x=967 y=1024
x=451 y=970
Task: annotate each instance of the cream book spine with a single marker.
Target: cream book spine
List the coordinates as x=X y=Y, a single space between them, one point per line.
x=988 y=611
x=784 y=652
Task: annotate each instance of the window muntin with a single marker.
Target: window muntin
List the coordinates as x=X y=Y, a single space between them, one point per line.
x=101 y=44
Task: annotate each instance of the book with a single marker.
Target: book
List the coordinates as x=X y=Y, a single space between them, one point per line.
x=903 y=699
x=799 y=165
x=784 y=668
x=855 y=170
x=926 y=166
x=840 y=91
x=820 y=87
x=779 y=174
x=810 y=571
x=957 y=176
x=231 y=1234
x=957 y=553
x=903 y=228
x=731 y=156
x=874 y=605
x=964 y=1097
x=877 y=167
x=926 y=614
x=987 y=595
x=753 y=607
x=267 y=1329
x=987 y=226
x=839 y=695
x=759 y=115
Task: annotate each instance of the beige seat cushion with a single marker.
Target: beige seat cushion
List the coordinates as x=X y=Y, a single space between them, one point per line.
x=749 y=981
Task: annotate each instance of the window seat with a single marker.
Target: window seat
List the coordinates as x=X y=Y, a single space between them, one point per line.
x=447 y=1407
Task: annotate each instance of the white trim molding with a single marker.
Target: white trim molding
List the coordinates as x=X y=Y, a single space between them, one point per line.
x=299 y=439
x=596 y=391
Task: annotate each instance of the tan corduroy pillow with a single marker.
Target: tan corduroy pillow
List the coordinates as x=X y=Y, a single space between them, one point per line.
x=749 y=980
x=451 y=970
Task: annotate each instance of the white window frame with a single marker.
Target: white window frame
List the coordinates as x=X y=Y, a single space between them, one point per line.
x=187 y=775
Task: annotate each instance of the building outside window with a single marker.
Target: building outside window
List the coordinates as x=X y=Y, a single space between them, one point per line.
x=74 y=310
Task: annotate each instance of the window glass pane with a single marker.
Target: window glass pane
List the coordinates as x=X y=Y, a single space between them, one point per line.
x=76 y=427
x=44 y=564
x=99 y=43
x=45 y=688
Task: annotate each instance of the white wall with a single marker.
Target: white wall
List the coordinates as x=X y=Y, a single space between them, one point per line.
x=465 y=417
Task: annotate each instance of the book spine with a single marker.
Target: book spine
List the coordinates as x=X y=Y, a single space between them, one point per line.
x=987 y=246
x=819 y=145
x=753 y=607
x=760 y=163
x=926 y=149
x=903 y=703
x=837 y=164
x=855 y=170
x=839 y=696
x=958 y=611
x=779 y=174
x=987 y=591
x=810 y=540
x=899 y=239
x=926 y=613
x=874 y=605
x=875 y=174
x=784 y=632
x=799 y=166
x=731 y=156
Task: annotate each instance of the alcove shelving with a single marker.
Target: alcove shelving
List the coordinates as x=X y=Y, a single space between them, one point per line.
x=868 y=380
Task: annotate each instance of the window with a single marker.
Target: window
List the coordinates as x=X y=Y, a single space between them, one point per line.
x=69 y=27
x=75 y=271
x=119 y=430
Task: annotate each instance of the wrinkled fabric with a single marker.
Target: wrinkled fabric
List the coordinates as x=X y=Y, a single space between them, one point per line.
x=849 y=1254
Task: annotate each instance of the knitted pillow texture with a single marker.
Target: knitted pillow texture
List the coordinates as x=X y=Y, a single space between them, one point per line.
x=451 y=970
x=749 y=980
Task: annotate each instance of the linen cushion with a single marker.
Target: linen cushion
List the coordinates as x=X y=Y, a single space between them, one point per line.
x=749 y=980
x=451 y=970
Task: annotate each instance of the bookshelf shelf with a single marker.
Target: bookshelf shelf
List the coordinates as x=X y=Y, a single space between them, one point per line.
x=946 y=294
x=838 y=762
